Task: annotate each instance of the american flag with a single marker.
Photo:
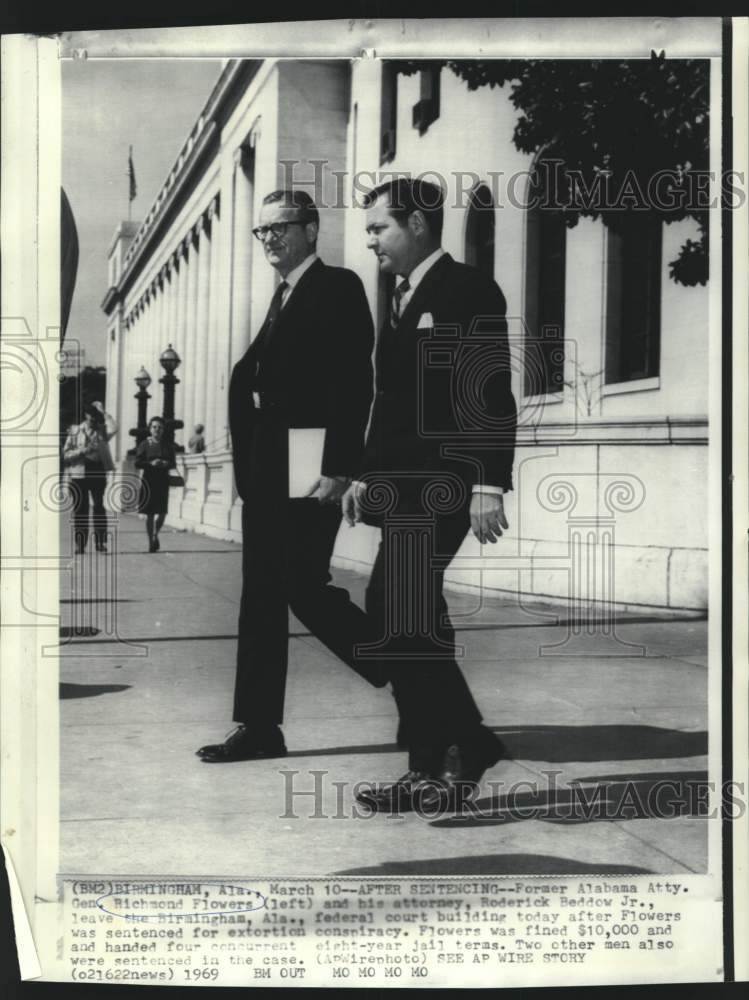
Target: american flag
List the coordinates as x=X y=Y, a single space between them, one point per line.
x=131 y=175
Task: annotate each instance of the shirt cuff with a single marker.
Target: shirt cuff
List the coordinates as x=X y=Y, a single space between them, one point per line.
x=496 y=491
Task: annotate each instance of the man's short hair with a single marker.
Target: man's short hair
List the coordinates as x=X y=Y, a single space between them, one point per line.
x=406 y=196
x=300 y=200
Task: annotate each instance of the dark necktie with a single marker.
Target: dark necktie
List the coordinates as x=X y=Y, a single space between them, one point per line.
x=275 y=305
x=266 y=330
x=395 y=305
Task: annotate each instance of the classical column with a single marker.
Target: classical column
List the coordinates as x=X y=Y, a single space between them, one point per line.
x=200 y=414
x=164 y=316
x=171 y=305
x=178 y=318
x=153 y=331
x=116 y=404
x=157 y=303
x=190 y=373
x=131 y=366
x=178 y=343
x=242 y=252
x=142 y=343
x=218 y=333
x=146 y=332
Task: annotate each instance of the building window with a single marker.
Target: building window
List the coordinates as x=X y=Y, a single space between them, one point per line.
x=544 y=291
x=480 y=224
x=633 y=300
x=427 y=108
x=388 y=111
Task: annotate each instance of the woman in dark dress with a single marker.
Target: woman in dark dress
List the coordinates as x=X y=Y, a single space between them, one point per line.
x=155 y=457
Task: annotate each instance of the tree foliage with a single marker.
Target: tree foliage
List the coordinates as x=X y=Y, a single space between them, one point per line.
x=639 y=129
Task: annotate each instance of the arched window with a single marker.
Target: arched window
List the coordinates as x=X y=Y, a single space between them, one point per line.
x=480 y=225
x=545 y=269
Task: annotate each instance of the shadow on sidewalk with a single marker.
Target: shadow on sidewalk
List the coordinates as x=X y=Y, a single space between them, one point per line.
x=89 y=690
x=495 y=864
x=588 y=743
x=557 y=744
x=616 y=798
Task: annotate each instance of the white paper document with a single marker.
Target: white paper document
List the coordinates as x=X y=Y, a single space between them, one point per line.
x=305 y=458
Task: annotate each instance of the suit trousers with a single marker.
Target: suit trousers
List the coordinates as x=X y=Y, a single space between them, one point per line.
x=93 y=483
x=416 y=638
x=285 y=564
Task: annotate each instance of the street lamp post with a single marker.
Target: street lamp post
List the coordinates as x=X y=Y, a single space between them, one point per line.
x=140 y=433
x=170 y=362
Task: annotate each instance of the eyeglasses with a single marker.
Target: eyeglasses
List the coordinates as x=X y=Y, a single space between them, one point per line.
x=277 y=229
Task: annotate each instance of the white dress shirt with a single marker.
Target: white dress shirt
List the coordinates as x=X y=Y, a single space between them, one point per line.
x=292 y=278
x=416 y=276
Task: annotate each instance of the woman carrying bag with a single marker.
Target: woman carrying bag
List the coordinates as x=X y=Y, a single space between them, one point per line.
x=155 y=456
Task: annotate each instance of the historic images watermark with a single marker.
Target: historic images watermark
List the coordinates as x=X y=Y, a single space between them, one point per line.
x=314 y=794
x=547 y=185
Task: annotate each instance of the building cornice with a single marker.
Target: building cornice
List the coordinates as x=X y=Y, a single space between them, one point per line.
x=201 y=146
x=658 y=430
x=110 y=300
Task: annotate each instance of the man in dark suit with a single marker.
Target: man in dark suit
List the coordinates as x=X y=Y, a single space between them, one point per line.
x=437 y=461
x=307 y=376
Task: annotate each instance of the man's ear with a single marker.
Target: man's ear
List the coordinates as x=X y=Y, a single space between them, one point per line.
x=417 y=223
x=311 y=229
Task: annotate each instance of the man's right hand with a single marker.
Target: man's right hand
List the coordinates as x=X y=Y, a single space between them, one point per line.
x=351 y=503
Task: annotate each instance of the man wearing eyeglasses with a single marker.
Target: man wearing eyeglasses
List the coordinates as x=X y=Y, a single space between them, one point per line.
x=301 y=394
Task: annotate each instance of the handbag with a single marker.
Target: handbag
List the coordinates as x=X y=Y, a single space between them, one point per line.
x=175 y=480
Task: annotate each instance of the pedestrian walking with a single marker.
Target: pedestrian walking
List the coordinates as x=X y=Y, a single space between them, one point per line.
x=155 y=457
x=88 y=459
x=298 y=403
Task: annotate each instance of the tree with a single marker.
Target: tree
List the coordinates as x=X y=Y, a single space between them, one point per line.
x=629 y=135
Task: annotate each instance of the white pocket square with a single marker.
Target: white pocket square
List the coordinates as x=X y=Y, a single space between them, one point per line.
x=426 y=321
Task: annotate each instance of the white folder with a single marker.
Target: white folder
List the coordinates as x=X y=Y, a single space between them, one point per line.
x=305 y=458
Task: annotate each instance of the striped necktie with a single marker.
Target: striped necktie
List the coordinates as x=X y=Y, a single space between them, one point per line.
x=395 y=304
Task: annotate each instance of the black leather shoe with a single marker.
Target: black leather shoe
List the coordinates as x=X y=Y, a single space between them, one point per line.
x=243 y=744
x=397 y=796
x=462 y=768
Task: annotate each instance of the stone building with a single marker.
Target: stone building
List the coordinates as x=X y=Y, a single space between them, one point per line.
x=610 y=356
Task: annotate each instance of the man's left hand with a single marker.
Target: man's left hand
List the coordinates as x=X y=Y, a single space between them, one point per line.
x=488 y=517
x=329 y=489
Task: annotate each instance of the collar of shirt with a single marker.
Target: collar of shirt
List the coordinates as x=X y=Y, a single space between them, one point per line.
x=417 y=275
x=292 y=278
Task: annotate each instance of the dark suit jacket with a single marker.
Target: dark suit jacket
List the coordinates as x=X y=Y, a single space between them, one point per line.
x=443 y=402
x=313 y=369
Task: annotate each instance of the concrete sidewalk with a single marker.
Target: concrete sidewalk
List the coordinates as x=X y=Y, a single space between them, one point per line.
x=136 y=799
